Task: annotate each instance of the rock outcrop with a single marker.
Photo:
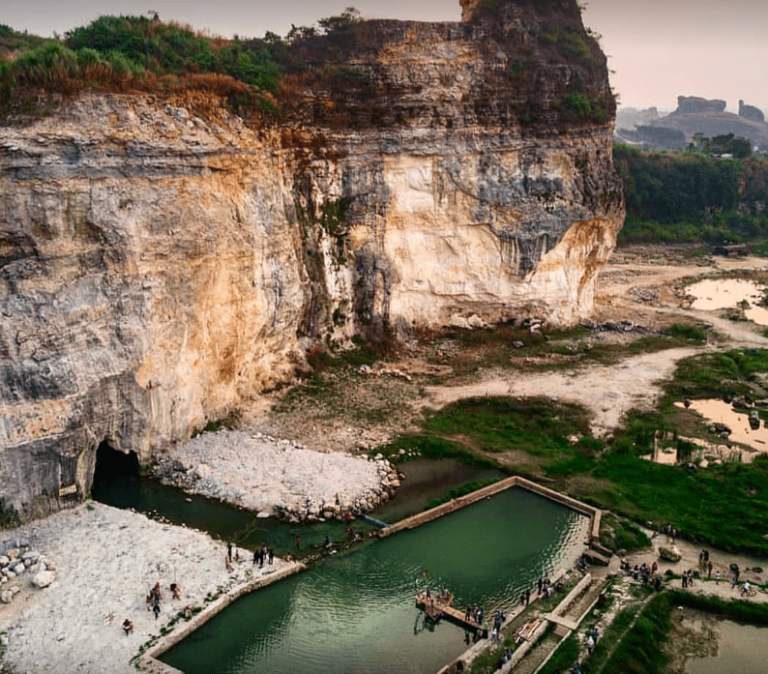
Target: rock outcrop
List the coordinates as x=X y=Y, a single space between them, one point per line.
x=162 y=262
x=751 y=113
x=691 y=105
x=701 y=116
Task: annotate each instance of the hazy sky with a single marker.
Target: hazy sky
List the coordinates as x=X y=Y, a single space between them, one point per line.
x=658 y=49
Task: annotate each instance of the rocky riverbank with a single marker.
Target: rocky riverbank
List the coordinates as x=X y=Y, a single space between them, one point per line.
x=278 y=477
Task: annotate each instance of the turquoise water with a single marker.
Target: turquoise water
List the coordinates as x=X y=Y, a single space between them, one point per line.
x=356 y=614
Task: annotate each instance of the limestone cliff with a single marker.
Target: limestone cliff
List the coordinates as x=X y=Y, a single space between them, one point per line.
x=163 y=262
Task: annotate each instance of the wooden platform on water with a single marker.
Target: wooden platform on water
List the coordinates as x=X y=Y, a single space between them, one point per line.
x=436 y=607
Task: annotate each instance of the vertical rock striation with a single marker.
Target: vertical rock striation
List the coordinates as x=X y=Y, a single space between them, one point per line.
x=162 y=263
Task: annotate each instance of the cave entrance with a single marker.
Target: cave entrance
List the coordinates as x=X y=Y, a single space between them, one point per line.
x=116 y=479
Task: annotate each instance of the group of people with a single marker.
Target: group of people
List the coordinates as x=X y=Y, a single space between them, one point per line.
x=544 y=586
x=671 y=532
x=687 y=579
x=705 y=563
x=644 y=573
x=153 y=599
x=262 y=554
x=474 y=614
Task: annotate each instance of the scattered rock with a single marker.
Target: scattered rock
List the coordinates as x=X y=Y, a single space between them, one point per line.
x=19 y=568
x=669 y=554
x=44 y=579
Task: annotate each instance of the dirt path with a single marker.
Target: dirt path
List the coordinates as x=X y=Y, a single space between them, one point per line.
x=608 y=391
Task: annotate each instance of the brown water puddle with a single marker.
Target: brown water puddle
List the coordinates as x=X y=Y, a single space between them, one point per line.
x=718 y=411
x=740 y=650
x=713 y=294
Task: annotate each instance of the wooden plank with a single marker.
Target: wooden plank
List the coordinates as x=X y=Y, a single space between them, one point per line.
x=69 y=490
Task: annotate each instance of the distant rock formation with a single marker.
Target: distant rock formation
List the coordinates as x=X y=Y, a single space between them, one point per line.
x=688 y=105
x=697 y=115
x=751 y=113
x=630 y=118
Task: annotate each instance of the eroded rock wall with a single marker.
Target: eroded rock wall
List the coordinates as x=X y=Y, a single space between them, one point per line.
x=162 y=263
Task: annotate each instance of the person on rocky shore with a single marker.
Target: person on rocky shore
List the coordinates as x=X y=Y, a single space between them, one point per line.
x=127 y=626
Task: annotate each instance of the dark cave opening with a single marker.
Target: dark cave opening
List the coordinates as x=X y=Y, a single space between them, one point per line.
x=116 y=479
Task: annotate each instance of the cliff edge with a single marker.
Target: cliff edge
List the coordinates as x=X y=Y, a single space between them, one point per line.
x=163 y=262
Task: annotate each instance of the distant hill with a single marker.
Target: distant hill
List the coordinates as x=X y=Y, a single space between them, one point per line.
x=693 y=115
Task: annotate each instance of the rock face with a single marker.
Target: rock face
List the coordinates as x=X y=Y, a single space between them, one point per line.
x=688 y=105
x=751 y=113
x=162 y=262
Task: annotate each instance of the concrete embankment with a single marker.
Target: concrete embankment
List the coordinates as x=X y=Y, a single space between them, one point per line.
x=593 y=513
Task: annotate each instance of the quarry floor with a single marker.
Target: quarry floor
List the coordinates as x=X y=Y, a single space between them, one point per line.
x=108 y=559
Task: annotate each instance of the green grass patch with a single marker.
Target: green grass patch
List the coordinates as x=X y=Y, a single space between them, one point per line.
x=619 y=534
x=726 y=506
x=538 y=426
x=639 y=651
x=749 y=612
x=566 y=654
x=431 y=447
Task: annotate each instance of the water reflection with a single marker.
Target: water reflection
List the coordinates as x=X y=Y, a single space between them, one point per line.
x=719 y=412
x=356 y=612
x=713 y=294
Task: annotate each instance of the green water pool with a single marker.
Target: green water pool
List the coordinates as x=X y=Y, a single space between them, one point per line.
x=355 y=613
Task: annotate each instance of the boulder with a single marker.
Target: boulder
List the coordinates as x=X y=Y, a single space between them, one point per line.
x=4 y=561
x=44 y=579
x=6 y=597
x=19 y=568
x=32 y=556
x=669 y=554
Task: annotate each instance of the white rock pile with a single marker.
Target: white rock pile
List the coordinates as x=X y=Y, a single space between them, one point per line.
x=20 y=565
x=279 y=477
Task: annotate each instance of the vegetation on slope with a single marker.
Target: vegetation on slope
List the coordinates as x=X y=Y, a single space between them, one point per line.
x=275 y=74
x=693 y=196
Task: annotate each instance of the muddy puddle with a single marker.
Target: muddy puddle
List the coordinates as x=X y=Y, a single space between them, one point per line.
x=714 y=294
x=720 y=412
x=740 y=650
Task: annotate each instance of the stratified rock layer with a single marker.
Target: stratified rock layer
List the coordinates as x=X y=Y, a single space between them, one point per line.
x=162 y=263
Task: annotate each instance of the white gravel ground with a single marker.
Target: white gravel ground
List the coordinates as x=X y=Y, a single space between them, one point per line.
x=106 y=561
x=260 y=472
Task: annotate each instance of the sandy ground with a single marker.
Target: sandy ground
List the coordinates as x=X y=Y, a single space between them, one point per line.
x=107 y=560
